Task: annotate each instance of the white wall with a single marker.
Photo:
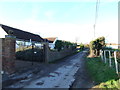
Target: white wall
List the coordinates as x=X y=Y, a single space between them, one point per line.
x=55 y=40
x=51 y=45
x=113 y=46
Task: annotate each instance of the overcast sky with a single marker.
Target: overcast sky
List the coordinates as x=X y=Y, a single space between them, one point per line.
x=68 y=20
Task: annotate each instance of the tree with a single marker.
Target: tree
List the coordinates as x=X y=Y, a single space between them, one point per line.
x=61 y=44
x=58 y=45
x=96 y=46
x=81 y=46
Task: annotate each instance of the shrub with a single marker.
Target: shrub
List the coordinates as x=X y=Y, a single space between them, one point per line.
x=96 y=45
x=81 y=46
x=61 y=44
x=29 y=55
x=118 y=56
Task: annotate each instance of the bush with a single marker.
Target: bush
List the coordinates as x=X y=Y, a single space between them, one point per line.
x=29 y=55
x=118 y=56
x=81 y=46
x=96 y=45
x=59 y=45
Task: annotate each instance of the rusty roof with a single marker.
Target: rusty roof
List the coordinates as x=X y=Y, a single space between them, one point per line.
x=51 y=39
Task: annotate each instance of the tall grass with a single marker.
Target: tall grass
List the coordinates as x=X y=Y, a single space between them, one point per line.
x=102 y=74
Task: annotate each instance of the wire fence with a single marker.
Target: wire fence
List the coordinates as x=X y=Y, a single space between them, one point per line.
x=111 y=58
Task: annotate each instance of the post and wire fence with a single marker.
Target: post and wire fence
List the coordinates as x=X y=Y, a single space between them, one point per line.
x=110 y=57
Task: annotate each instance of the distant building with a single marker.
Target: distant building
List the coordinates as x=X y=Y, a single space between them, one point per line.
x=21 y=36
x=113 y=45
x=52 y=41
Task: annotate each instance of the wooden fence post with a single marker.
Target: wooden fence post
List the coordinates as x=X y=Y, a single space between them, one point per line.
x=105 y=55
x=101 y=54
x=116 y=64
x=109 y=59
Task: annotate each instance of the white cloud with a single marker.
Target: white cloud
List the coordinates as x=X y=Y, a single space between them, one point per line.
x=35 y=11
x=49 y=14
x=68 y=31
x=109 y=29
x=65 y=31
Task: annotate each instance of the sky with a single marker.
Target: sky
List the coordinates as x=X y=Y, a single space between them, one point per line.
x=70 y=20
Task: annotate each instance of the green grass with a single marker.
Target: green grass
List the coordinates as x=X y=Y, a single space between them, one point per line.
x=102 y=74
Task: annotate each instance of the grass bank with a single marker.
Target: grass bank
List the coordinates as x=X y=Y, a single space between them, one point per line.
x=102 y=74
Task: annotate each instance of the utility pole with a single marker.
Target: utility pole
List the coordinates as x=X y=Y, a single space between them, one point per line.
x=76 y=40
x=94 y=26
x=96 y=16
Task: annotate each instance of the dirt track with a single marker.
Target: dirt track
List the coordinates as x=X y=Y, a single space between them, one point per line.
x=67 y=73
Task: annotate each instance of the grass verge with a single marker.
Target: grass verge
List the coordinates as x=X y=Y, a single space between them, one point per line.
x=102 y=74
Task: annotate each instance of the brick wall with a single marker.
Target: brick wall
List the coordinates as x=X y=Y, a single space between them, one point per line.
x=8 y=54
x=55 y=55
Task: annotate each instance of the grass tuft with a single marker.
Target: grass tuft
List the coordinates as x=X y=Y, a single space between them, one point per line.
x=102 y=74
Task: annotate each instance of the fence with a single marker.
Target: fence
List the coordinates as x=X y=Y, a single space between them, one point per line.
x=110 y=57
x=44 y=54
x=51 y=56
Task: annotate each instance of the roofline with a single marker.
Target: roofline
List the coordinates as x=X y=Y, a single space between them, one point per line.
x=22 y=31
x=18 y=29
x=50 y=37
x=56 y=38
